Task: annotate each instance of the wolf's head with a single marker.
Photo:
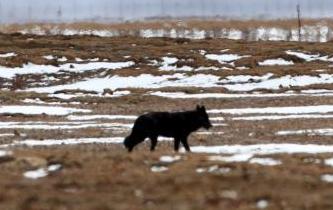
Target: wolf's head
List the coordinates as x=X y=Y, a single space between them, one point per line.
x=129 y=143
x=203 y=117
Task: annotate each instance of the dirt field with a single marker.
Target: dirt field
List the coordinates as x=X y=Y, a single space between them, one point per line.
x=255 y=103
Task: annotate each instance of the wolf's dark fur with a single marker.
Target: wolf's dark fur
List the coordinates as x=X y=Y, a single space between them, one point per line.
x=178 y=125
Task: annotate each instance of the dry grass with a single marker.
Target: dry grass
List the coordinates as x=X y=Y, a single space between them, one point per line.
x=105 y=176
x=124 y=181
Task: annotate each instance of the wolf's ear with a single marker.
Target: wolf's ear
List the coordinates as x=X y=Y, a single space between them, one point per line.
x=198 y=107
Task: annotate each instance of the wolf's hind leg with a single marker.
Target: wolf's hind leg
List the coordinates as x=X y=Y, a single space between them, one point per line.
x=153 y=142
x=184 y=142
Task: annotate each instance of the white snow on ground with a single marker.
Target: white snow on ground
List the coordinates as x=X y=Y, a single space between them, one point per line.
x=169 y=64
x=309 y=132
x=4 y=153
x=233 y=83
x=265 y=161
x=213 y=169
x=244 y=157
x=276 y=62
x=281 y=82
x=169 y=159
x=284 y=117
x=316 y=91
x=246 y=78
x=38 y=110
x=7 y=135
x=276 y=110
x=216 y=118
x=63 y=125
x=210 y=68
x=36 y=174
x=54 y=167
x=8 y=55
x=233 y=158
x=157 y=169
x=62 y=59
x=49 y=57
x=327 y=178
x=141 y=81
x=65 y=96
x=41 y=172
x=39 y=101
x=101 y=117
x=30 y=68
x=263 y=149
x=329 y=162
x=183 y=95
x=225 y=58
x=262 y=204
x=55 y=142
x=309 y=57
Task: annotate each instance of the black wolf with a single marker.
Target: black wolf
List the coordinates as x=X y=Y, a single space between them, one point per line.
x=178 y=125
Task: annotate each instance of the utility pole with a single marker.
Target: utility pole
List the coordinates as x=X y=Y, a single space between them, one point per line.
x=298 y=7
x=59 y=14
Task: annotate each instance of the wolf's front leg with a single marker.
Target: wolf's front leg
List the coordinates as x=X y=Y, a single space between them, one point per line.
x=176 y=144
x=153 y=143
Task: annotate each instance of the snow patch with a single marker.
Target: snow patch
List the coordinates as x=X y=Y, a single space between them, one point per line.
x=262 y=204
x=244 y=151
x=225 y=58
x=276 y=62
x=30 y=68
x=284 y=117
x=63 y=125
x=182 y=95
x=8 y=55
x=141 y=81
x=168 y=64
x=42 y=172
x=280 y=82
x=56 y=142
x=36 y=174
x=101 y=117
x=158 y=169
x=309 y=132
x=4 y=153
x=276 y=110
x=309 y=57
x=329 y=162
x=7 y=135
x=265 y=161
x=39 y=110
x=327 y=178
x=169 y=159
x=214 y=169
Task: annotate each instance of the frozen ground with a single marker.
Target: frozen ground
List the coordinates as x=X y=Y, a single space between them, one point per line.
x=68 y=115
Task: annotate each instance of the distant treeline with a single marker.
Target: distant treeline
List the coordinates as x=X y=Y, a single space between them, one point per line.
x=23 y=11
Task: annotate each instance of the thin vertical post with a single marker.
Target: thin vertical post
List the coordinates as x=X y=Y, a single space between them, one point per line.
x=299 y=22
